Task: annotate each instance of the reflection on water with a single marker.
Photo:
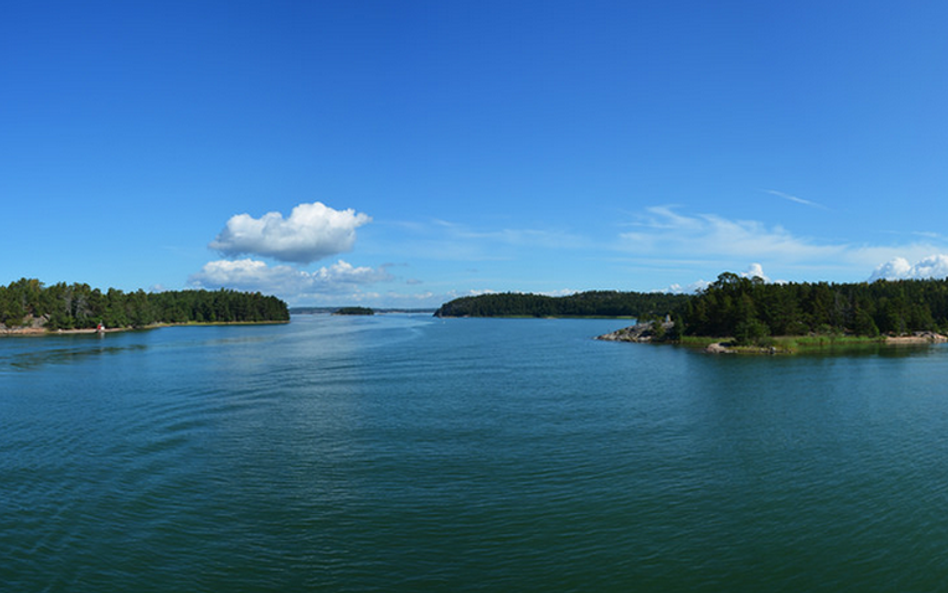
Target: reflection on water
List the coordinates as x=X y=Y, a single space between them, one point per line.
x=38 y=358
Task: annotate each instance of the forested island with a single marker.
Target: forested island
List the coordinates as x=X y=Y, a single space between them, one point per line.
x=750 y=309
x=30 y=303
x=354 y=311
x=746 y=311
x=584 y=304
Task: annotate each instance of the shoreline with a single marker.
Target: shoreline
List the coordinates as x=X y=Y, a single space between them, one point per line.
x=30 y=331
x=801 y=344
x=782 y=345
x=42 y=331
x=789 y=345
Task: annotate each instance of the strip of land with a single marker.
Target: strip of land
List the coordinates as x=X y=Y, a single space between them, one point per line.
x=40 y=330
x=655 y=332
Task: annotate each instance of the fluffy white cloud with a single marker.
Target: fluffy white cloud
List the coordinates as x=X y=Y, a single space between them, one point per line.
x=899 y=268
x=312 y=232
x=286 y=281
x=755 y=271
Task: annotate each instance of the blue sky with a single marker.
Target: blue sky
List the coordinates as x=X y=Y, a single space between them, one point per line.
x=405 y=153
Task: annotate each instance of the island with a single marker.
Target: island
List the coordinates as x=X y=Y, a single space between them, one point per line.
x=741 y=314
x=28 y=306
x=600 y=303
x=354 y=311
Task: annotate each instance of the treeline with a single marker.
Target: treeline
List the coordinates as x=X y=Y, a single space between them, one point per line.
x=583 y=304
x=746 y=309
x=750 y=309
x=354 y=311
x=77 y=306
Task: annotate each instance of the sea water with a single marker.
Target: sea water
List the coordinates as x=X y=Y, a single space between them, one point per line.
x=407 y=453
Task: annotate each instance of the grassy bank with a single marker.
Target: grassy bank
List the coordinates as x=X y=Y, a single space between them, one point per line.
x=805 y=344
x=812 y=343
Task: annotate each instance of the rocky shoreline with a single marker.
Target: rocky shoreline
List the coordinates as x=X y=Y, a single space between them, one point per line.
x=646 y=332
x=41 y=331
x=37 y=327
x=926 y=337
x=640 y=332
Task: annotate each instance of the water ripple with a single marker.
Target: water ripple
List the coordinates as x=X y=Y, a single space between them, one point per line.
x=492 y=455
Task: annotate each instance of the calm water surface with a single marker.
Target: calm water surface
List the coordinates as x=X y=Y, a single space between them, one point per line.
x=404 y=453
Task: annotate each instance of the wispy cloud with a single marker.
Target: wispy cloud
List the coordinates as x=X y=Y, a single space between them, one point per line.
x=662 y=231
x=929 y=235
x=516 y=237
x=445 y=240
x=699 y=241
x=795 y=199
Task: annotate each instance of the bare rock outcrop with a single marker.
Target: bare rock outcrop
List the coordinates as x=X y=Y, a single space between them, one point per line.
x=640 y=332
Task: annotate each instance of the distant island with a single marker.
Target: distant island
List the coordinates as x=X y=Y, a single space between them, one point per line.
x=747 y=312
x=354 y=311
x=29 y=306
x=582 y=304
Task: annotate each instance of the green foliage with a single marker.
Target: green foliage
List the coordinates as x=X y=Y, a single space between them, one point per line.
x=584 y=304
x=750 y=332
x=354 y=311
x=658 y=331
x=864 y=324
x=750 y=310
x=69 y=306
x=677 y=330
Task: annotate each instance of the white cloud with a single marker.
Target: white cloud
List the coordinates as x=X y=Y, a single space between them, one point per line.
x=692 y=288
x=312 y=232
x=755 y=271
x=899 y=268
x=285 y=281
x=562 y=292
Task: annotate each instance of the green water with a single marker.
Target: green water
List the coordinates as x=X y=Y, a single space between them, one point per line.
x=401 y=453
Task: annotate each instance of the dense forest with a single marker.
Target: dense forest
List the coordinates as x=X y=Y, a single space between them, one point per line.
x=750 y=309
x=75 y=306
x=583 y=304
